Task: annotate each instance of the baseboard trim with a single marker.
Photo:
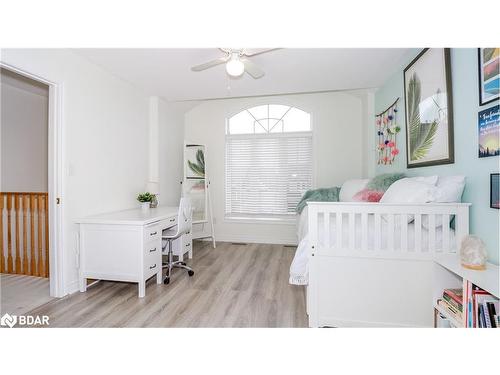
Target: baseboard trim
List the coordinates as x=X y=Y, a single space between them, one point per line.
x=72 y=287
x=341 y=323
x=254 y=239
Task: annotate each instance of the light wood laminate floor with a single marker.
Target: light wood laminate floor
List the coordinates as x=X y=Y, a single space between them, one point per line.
x=21 y=293
x=233 y=286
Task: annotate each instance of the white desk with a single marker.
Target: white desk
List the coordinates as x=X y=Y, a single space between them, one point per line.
x=124 y=245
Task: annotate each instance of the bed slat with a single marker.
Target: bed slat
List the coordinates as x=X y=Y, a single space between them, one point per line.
x=446 y=233
x=377 y=233
x=364 y=230
x=418 y=233
x=404 y=232
x=352 y=237
x=338 y=230
x=432 y=232
x=390 y=232
x=326 y=229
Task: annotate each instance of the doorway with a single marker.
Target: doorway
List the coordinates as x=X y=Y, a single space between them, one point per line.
x=29 y=231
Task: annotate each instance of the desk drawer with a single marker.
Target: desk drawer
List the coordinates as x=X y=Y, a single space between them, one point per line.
x=152 y=258
x=152 y=233
x=183 y=244
x=152 y=248
x=151 y=269
x=171 y=222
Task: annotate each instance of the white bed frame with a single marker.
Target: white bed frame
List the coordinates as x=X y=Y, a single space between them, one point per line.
x=354 y=286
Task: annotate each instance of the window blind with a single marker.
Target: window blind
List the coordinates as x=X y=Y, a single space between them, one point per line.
x=267 y=174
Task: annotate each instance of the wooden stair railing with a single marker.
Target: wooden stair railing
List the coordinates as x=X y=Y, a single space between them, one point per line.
x=24 y=220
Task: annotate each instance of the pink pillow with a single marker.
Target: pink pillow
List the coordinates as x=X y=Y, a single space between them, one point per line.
x=367 y=195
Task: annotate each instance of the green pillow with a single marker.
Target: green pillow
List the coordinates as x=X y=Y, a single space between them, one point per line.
x=383 y=181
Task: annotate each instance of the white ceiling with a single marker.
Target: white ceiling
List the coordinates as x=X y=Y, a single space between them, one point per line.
x=166 y=72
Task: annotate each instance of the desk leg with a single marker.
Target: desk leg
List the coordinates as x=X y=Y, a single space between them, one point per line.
x=142 y=289
x=159 y=278
x=83 y=284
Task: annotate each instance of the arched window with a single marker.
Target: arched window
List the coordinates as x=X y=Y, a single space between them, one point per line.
x=270 y=118
x=268 y=161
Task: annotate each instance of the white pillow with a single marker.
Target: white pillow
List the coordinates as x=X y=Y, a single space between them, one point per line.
x=449 y=189
x=410 y=190
x=431 y=180
x=350 y=188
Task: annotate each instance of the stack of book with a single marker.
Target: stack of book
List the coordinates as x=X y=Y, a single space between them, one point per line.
x=482 y=308
x=452 y=303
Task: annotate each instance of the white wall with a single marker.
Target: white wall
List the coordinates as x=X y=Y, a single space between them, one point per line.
x=369 y=147
x=170 y=155
x=105 y=126
x=338 y=152
x=24 y=124
x=166 y=140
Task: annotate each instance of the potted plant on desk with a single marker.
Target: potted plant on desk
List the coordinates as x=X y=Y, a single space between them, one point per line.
x=145 y=199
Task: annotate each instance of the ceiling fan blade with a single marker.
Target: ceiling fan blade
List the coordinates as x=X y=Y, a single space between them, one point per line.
x=257 y=51
x=252 y=69
x=220 y=60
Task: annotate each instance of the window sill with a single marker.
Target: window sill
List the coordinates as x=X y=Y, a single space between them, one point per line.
x=261 y=220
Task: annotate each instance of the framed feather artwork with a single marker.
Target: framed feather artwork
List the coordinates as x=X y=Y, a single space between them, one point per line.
x=429 y=109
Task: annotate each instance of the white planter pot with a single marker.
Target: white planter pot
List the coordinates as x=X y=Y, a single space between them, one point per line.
x=145 y=206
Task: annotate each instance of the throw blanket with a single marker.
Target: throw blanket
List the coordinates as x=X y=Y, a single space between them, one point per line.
x=318 y=195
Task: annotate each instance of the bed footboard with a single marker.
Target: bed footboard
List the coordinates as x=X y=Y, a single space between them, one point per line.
x=369 y=267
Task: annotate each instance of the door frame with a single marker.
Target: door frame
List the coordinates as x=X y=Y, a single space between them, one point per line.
x=55 y=180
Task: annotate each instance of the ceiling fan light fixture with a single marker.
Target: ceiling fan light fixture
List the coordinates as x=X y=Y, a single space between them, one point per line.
x=235 y=67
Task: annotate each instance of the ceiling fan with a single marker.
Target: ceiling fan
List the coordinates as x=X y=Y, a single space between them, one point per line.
x=237 y=62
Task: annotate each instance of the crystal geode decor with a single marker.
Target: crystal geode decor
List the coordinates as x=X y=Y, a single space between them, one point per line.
x=473 y=253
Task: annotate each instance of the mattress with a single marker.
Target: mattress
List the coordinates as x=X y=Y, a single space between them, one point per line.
x=299 y=269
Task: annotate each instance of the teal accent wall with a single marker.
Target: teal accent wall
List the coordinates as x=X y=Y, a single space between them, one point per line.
x=484 y=221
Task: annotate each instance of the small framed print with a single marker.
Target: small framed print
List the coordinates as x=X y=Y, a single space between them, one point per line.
x=495 y=190
x=489 y=74
x=489 y=132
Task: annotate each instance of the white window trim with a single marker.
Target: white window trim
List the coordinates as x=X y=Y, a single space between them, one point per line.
x=278 y=220
x=271 y=135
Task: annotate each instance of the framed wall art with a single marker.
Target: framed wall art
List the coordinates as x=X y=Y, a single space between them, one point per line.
x=488 y=127
x=489 y=74
x=495 y=190
x=429 y=109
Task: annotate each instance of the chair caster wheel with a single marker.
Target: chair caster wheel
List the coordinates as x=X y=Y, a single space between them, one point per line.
x=190 y=273
x=167 y=280
x=183 y=263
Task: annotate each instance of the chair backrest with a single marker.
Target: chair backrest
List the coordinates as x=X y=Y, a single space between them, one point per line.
x=185 y=216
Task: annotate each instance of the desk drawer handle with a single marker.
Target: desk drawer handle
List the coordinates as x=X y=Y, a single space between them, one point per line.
x=153 y=234
x=151 y=267
x=152 y=250
x=188 y=244
x=172 y=220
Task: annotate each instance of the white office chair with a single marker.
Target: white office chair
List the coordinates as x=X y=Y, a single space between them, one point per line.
x=184 y=223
